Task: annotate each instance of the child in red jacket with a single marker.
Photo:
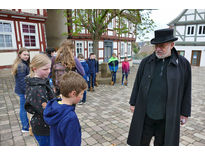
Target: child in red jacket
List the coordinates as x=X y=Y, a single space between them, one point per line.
x=125 y=71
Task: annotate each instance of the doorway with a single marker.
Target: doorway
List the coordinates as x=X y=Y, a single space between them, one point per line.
x=195 y=58
x=108 y=46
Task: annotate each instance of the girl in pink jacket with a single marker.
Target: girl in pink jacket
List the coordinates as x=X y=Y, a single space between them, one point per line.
x=125 y=71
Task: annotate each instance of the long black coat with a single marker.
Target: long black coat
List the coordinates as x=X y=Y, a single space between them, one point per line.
x=178 y=97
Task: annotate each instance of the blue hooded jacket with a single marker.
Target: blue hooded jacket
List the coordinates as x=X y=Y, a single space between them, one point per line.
x=86 y=69
x=93 y=65
x=64 y=125
x=22 y=72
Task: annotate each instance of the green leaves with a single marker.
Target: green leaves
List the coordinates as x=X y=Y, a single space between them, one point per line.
x=96 y=21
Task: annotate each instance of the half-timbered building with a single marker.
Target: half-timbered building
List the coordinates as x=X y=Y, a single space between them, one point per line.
x=189 y=27
x=110 y=41
x=21 y=28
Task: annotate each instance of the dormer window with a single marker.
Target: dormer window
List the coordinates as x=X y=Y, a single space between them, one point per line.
x=190 y=31
x=201 y=30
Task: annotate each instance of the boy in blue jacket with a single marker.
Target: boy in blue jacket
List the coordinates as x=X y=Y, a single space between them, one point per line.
x=93 y=68
x=60 y=114
x=86 y=76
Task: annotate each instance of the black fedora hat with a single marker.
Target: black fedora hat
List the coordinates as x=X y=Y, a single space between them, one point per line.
x=163 y=36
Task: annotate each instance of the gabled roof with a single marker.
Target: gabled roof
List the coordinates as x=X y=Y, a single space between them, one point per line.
x=177 y=18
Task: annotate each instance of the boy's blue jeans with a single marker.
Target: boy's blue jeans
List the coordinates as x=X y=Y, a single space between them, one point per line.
x=43 y=140
x=113 y=76
x=124 y=75
x=92 y=75
x=84 y=96
x=23 y=113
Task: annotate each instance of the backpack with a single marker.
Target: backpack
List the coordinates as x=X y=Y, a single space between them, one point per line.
x=58 y=70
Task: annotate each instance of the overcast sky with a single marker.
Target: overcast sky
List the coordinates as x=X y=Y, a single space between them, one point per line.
x=161 y=18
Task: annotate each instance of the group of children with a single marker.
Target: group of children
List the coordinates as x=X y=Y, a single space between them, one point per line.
x=113 y=66
x=54 y=121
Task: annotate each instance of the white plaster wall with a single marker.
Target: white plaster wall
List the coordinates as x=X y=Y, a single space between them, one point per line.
x=115 y=51
x=190 y=17
x=189 y=39
x=200 y=39
x=33 y=53
x=180 y=29
x=100 y=44
x=100 y=61
x=182 y=18
x=100 y=53
x=188 y=52
x=41 y=12
x=179 y=39
x=202 y=63
x=201 y=10
x=7 y=58
x=115 y=45
x=110 y=33
x=198 y=17
x=34 y=11
x=189 y=11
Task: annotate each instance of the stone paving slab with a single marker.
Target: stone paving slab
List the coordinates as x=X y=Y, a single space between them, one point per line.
x=105 y=118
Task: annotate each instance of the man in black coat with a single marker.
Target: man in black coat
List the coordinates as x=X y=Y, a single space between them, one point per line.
x=161 y=95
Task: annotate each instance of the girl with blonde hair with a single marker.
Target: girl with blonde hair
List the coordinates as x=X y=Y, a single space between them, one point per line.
x=20 y=70
x=38 y=93
x=65 y=62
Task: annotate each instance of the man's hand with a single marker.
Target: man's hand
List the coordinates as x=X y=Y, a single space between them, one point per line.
x=132 y=108
x=183 y=119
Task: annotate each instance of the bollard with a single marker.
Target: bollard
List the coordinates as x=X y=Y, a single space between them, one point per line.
x=104 y=69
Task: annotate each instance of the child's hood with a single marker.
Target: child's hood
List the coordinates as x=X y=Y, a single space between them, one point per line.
x=36 y=81
x=55 y=112
x=83 y=62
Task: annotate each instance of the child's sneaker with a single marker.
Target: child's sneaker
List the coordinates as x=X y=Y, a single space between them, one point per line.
x=80 y=103
x=96 y=84
x=24 y=130
x=125 y=83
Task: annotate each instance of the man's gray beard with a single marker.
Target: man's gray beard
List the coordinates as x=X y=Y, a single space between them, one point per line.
x=163 y=56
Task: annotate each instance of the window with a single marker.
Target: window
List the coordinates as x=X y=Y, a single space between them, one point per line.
x=7 y=35
x=90 y=48
x=190 y=30
x=201 y=30
x=79 y=48
x=110 y=25
x=182 y=53
x=130 y=25
x=129 y=49
x=122 y=53
x=29 y=35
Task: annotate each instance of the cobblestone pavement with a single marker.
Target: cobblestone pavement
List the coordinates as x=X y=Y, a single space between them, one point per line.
x=105 y=118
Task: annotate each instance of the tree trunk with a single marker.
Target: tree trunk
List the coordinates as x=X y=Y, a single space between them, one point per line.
x=95 y=47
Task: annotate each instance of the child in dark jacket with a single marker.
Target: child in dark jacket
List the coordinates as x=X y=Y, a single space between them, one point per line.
x=93 y=68
x=60 y=114
x=87 y=73
x=20 y=70
x=38 y=93
x=125 y=71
